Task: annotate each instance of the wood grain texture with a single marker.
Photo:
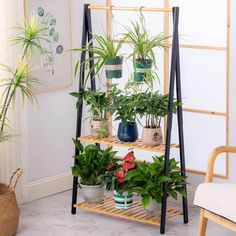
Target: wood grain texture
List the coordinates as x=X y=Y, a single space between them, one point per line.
x=135 y=213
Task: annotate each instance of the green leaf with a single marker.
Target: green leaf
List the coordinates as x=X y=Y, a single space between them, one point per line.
x=78 y=145
x=146 y=200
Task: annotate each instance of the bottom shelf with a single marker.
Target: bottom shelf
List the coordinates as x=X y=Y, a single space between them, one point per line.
x=135 y=213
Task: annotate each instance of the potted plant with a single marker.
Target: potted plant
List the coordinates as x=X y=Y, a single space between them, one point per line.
x=91 y=168
x=105 y=53
x=98 y=104
x=147 y=179
x=152 y=106
x=115 y=180
x=124 y=107
x=18 y=84
x=143 y=46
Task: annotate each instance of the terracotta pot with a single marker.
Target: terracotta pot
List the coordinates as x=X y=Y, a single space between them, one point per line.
x=100 y=128
x=152 y=136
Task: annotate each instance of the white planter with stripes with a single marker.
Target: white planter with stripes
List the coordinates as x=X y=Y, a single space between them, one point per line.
x=123 y=201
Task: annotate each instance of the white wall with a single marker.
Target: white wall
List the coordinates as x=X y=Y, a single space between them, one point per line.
x=50 y=128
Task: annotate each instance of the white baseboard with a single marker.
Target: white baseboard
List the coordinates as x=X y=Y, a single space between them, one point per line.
x=49 y=186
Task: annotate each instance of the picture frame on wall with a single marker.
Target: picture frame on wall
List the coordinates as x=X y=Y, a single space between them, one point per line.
x=56 y=69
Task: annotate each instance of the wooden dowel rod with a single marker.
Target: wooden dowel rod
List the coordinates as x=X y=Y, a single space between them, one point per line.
x=204 y=47
x=216 y=113
x=116 y=8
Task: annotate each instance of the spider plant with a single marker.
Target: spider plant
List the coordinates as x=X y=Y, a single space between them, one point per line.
x=143 y=55
x=142 y=44
x=19 y=79
x=103 y=50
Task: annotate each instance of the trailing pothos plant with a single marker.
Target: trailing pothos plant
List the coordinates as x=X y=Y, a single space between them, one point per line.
x=147 y=179
x=19 y=79
x=92 y=164
x=102 y=48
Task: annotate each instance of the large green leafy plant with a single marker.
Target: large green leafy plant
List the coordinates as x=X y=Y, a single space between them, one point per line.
x=147 y=180
x=92 y=164
x=19 y=80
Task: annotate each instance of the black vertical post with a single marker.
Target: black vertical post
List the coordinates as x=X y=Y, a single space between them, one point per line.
x=180 y=131
x=85 y=34
x=170 y=115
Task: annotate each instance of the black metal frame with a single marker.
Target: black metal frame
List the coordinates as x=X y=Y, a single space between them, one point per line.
x=174 y=76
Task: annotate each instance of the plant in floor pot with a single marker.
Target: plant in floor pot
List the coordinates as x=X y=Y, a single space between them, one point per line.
x=124 y=107
x=91 y=167
x=18 y=84
x=143 y=46
x=99 y=105
x=105 y=53
x=115 y=181
x=147 y=179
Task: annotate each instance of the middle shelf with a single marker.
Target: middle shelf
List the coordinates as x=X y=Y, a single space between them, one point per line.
x=114 y=141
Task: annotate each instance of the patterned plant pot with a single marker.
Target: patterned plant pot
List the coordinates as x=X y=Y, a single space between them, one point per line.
x=113 y=68
x=142 y=67
x=152 y=136
x=127 y=132
x=123 y=201
x=100 y=128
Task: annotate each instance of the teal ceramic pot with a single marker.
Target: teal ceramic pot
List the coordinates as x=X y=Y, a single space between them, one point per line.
x=113 y=68
x=127 y=132
x=141 y=68
x=123 y=201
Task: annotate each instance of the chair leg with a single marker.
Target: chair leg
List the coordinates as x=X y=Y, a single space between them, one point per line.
x=202 y=224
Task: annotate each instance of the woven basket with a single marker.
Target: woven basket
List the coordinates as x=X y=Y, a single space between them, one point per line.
x=9 y=210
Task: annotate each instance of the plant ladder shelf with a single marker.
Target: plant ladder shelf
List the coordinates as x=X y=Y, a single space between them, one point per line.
x=114 y=141
x=135 y=213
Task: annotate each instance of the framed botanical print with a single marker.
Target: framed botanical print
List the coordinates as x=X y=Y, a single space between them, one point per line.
x=56 y=68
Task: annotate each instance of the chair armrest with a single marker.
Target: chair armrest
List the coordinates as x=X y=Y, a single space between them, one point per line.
x=212 y=158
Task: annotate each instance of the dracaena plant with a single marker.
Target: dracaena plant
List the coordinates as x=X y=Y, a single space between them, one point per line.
x=142 y=44
x=19 y=80
x=102 y=48
x=147 y=179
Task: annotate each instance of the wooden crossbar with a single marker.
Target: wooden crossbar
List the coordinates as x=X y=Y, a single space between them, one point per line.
x=120 y=8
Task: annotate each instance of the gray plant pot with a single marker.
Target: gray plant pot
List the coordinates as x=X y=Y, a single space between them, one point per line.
x=154 y=208
x=92 y=194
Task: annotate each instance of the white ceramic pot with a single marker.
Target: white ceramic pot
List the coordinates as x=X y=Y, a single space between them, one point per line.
x=92 y=194
x=152 y=136
x=154 y=208
x=100 y=128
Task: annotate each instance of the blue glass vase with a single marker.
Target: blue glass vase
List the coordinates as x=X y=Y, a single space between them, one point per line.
x=128 y=132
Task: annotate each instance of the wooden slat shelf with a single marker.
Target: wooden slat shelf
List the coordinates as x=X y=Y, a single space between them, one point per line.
x=135 y=213
x=114 y=141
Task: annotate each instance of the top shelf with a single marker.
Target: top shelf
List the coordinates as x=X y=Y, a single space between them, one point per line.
x=114 y=141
